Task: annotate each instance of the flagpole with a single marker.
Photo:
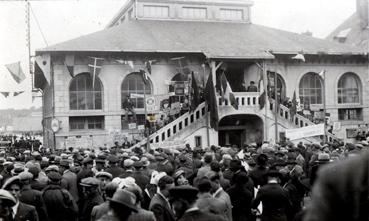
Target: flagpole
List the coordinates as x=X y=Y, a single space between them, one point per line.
x=276 y=107
x=324 y=109
x=148 y=134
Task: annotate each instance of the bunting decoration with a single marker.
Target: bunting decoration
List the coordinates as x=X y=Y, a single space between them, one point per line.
x=322 y=74
x=126 y=62
x=148 y=65
x=95 y=65
x=5 y=94
x=42 y=63
x=195 y=95
x=226 y=92
x=299 y=56
x=211 y=100
x=182 y=65
x=69 y=64
x=16 y=72
x=17 y=93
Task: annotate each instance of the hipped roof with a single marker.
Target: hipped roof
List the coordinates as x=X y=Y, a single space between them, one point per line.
x=213 y=39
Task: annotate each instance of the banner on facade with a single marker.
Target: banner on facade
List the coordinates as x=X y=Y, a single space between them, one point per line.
x=175 y=144
x=132 y=126
x=78 y=142
x=303 y=132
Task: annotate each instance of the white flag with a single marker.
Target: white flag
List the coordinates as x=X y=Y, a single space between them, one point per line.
x=43 y=62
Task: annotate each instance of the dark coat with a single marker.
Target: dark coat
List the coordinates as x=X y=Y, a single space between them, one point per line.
x=71 y=183
x=99 y=211
x=200 y=216
x=26 y=212
x=60 y=205
x=142 y=215
x=87 y=204
x=342 y=191
x=258 y=175
x=275 y=202
x=141 y=179
x=207 y=203
x=296 y=192
x=161 y=209
x=34 y=198
x=241 y=199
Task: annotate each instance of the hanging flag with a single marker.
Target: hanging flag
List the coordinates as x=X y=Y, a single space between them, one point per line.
x=262 y=100
x=293 y=109
x=322 y=74
x=195 y=95
x=43 y=63
x=17 y=93
x=227 y=92
x=69 y=64
x=148 y=65
x=299 y=56
x=211 y=100
x=6 y=94
x=95 y=65
x=16 y=71
x=145 y=77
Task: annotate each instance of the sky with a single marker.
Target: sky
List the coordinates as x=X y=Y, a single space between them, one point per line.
x=61 y=20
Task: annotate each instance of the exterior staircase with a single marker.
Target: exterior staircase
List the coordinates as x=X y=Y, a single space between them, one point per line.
x=298 y=121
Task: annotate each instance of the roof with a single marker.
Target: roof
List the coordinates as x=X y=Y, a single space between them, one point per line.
x=353 y=32
x=214 y=39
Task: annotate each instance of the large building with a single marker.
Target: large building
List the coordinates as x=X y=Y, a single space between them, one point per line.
x=206 y=37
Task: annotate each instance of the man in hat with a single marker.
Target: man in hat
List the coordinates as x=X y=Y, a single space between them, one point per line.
x=85 y=172
x=121 y=206
x=92 y=197
x=59 y=203
x=69 y=179
x=141 y=179
x=102 y=209
x=258 y=173
x=7 y=201
x=20 y=211
x=99 y=163
x=159 y=204
x=183 y=200
x=274 y=198
x=105 y=178
x=113 y=166
x=31 y=196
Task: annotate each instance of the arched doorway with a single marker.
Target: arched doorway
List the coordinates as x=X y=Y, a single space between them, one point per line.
x=240 y=129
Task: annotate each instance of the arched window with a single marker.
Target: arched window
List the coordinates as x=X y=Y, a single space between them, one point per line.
x=82 y=95
x=349 y=89
x=281 y=86
x=134 y=84
x=311 y=89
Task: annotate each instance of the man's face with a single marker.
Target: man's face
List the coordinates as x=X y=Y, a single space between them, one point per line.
x=182 y=180
x=15 y=190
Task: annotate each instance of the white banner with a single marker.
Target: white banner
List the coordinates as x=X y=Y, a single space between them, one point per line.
x=303 y=132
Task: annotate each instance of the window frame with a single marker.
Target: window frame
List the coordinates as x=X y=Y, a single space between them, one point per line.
x=84 y=122
x=187 y=9
x=84 y=94
x=343 y=96
x=307 y=92
x=229 y=17
x=149 y=13
x=348 y=112
x=125 y=92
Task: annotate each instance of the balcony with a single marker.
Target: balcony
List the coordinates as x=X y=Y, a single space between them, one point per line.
x=248 y=103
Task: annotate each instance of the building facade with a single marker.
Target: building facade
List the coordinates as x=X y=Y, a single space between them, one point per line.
x=184 y=38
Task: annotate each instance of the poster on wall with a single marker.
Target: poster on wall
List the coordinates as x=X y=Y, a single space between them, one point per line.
x=303 y=132
x=78 y=142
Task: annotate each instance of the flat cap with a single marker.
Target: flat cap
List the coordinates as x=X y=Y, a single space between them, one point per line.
x=25 y=175
x=54 y=168
x=90 y=182
x=128 y=162
x=104 y=174
x=138 y=164
x=54 y=176
x=87 y=160
x=7 y=198
x=64 y=163
x=113 y=159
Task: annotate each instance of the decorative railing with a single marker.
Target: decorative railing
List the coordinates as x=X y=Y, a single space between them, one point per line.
x=298 y=120
x=175 y=126
x=244 y=99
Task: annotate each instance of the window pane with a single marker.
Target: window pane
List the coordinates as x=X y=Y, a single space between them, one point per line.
x=133 y=84
x=98 y=99
x=81 y=94
x=73 y=101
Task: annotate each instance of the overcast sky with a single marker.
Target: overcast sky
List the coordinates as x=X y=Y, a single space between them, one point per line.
x=66 y=19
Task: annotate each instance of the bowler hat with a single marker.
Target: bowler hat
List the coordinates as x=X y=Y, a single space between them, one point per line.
x=183 y=192
x=90 y=182
x=125 y=198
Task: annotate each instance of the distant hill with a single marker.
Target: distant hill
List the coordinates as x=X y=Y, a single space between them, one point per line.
x=8 y=115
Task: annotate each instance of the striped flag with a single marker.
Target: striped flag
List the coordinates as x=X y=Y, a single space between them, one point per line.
x=211 y=100
x=6 y=94
x=43 y=64
x=227 y=92
x=16 y=71
x=95 y=65
x=69 y=64
x=17 y=93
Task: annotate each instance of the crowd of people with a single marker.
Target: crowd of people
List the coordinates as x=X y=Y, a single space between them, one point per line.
x=266 y=182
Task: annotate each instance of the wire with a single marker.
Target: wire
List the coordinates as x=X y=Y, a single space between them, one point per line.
x=38 y=25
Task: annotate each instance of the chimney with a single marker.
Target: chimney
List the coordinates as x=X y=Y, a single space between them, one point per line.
x=362 y=9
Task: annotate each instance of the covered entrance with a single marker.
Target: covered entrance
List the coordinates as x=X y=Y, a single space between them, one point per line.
x=240 y=129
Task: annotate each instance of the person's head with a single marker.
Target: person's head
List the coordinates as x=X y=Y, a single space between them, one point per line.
x=122 y=204
x=204 y=185
x=180 y=178
x=182 y=199
x=88 y=163
x=14 y=186
x=208 y=158
x=25 y=178
x=252 y=82
x=90 y=186
x=110 y=189
x=7 y=201
x=63 y=166
x=215 y=180
x=104 y=178
x=165 y=183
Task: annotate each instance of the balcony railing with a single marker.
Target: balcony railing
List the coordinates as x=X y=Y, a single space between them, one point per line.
x=244 y=99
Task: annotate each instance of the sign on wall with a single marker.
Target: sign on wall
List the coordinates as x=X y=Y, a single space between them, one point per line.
x=303 y=132
x=79 y=142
